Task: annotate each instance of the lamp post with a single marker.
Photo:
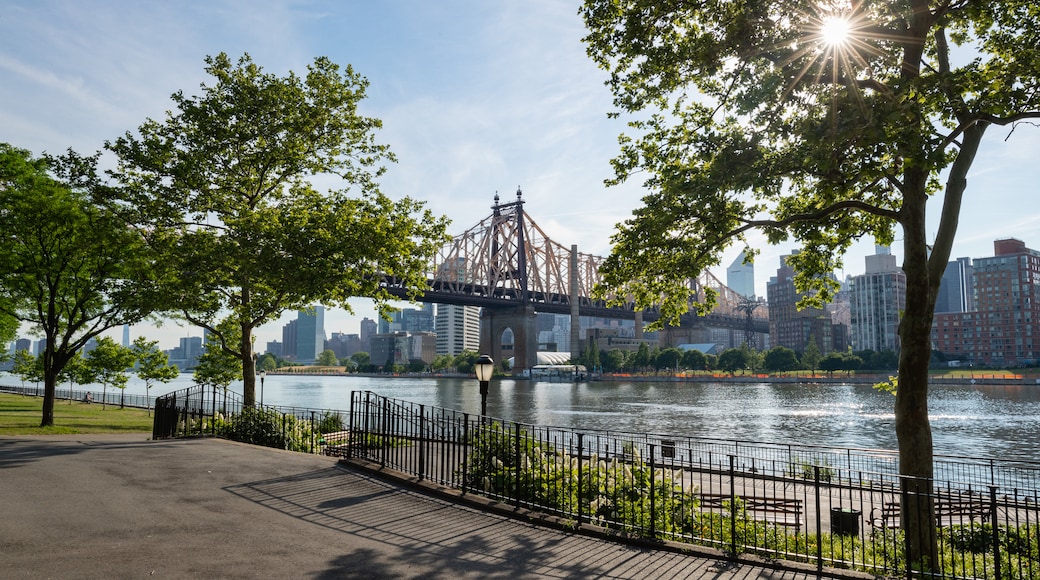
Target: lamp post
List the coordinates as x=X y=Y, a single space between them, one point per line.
x=484 y=367
x=263 y=375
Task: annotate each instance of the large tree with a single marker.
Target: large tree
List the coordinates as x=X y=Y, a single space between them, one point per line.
x=226 y=183
x=69 y=268
x=817 y=121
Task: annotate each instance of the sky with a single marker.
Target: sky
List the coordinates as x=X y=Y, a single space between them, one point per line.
x=475 y=97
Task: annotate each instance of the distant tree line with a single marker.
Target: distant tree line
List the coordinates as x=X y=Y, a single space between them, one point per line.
x=742 y=359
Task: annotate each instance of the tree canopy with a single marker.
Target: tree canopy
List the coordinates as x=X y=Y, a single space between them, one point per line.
x=748 y=117
x=68 y=267
x=225 y=186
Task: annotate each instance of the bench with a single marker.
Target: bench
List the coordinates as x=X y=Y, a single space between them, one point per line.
x=950 y=510
x=776 y=510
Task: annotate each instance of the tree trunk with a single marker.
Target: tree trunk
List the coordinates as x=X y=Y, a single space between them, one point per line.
x=911 y=408
x=50 y=382
x=248 y=367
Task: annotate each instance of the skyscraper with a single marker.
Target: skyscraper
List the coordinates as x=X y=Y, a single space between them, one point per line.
x=1004 y=328
x=876 y=300
x=740 y=277
x=957 y=289
x=457 y=328
x=310 y=334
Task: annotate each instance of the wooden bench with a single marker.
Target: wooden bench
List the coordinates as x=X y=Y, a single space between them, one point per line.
x=776 y=510
x=950 y=510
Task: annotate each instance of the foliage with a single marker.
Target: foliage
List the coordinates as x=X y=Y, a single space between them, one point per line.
x=152 y=364
x=109 y=362
x=781 y=358
x=612 y=494
x=694 y=359
x=27 y=366
x=327 y=358
x=811 y=357
x=217 y=366
x=224 y=186
x=668 y=358
x=266 y=362
x=732 y=359
x=69 y=268
x=612 y=360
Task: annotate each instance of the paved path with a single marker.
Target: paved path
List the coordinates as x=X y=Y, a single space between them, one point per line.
x=120 y=506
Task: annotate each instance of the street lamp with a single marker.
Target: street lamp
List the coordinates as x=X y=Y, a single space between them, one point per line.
x=484 y=368
x=263 y=375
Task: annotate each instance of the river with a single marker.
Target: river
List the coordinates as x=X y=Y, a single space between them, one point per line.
x=976 y=421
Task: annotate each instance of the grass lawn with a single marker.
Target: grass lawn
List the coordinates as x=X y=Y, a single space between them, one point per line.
x=21 y=415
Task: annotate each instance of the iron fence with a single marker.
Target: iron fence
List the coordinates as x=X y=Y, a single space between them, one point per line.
x=832 y=507
x=113 y=396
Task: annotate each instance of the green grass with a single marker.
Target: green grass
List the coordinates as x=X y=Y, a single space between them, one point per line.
x=21 y=415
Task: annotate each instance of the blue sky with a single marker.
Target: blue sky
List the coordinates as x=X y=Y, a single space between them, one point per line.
x=475 y=96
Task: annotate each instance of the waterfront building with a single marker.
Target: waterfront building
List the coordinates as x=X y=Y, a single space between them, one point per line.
x=403 y=348
x=791 y=327
x=957 y=288
x=343 y=345
x=289 y=340
x=369 y=328
x=1004 y=328
x=876 y=299
x=740 y=277
x=457 y=328
x=310 y=334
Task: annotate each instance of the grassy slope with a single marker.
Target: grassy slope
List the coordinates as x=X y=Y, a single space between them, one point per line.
x=21 y=415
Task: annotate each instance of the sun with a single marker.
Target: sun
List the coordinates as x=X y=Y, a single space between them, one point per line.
x=835 y=31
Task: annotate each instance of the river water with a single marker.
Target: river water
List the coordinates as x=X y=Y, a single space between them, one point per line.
x=976 y=421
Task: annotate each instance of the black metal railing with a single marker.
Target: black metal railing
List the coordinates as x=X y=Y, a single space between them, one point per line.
x=832 y=507
x=113 y=396
x=207 y=410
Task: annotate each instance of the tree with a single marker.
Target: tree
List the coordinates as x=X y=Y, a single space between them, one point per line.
x=613 y=360
x=781 y=359
x=68 y=267
x=217 y=366
x=266 y=362
x=749 y=118
x=641 y=360
x=694 y=359
x=109 y=362
x=224 y=186
x=77 y=372
x=363 y=360
x=732 y=359
x=327 y=358
x=811 y=357
x=668 y=358
x=152 y=365
x=832 y=362
x=28 y=367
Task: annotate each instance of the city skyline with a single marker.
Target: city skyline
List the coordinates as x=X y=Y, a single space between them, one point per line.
x=476 y=98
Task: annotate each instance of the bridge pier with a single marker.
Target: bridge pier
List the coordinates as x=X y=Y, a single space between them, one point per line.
x=523 y=322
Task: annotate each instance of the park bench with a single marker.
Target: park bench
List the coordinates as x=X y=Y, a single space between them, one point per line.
x=950 y=510
x=776 y=510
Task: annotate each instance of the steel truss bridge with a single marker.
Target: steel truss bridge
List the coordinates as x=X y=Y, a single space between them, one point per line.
x=507 y=265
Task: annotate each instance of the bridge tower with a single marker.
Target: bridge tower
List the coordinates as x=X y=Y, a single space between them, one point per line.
x=507 y=265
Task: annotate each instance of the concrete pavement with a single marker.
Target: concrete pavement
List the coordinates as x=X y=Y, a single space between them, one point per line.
x=121 y=506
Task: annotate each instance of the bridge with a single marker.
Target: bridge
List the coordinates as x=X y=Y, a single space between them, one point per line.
x=509 y=267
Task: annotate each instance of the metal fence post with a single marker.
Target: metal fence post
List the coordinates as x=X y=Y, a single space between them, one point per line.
x=465 y=452
x=653 y=503
x=819 y=519
x=422 y=442
x=581 y=502
x=996 y=535
x=732 y=505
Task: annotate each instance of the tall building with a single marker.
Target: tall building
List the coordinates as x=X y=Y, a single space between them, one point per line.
x=740 y=277
x=1004 y=329
x=876 y=300
x=791 y=327
x=126 y=335
x=957 y=289
x=289 y=332
x=310 y=334
x=403 y=348
x=457 y=328
x=369 y=328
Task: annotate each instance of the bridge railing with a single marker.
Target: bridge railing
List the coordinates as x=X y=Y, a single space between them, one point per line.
x=828 y=506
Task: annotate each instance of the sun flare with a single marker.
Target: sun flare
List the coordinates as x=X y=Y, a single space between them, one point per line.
x=835 y=31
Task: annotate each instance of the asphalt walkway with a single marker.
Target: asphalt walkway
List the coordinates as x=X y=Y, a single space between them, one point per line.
x=120 y=506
